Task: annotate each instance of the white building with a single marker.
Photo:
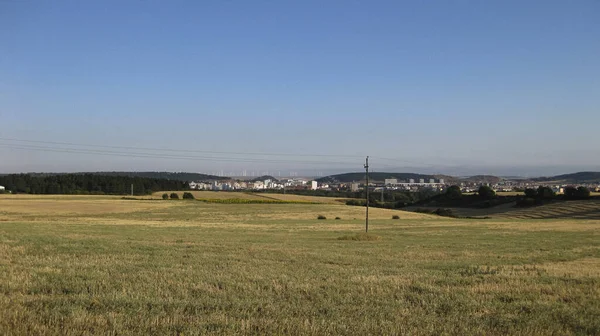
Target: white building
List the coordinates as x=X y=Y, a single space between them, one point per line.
x=2 y=188
x=441 y=181
x=421 y=180
x=313 y=185
x=354 y=187
x=391 y=181
x=431 y=180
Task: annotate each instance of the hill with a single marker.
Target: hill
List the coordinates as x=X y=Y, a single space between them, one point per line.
x=482 y=179
x=179 y=176
x=380 y=177
x=580 y=177
x=264 y=177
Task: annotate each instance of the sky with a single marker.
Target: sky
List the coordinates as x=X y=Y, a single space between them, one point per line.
x=462 y=87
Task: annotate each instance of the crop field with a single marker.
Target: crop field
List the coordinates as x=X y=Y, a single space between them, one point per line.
x=77 y=265
x=214 y=195
x=587 y=209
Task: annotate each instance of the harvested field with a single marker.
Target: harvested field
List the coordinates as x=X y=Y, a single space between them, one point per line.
x=111 y=266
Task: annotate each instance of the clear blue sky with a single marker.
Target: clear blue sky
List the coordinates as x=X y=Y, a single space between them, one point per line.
x=487 y=85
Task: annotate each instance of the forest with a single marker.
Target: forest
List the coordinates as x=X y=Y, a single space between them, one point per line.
x=87 y=184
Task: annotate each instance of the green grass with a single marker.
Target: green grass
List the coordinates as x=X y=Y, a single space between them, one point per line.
x=360 y=237
x=255 y=269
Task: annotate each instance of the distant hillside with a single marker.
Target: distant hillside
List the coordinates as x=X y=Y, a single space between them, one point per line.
x=580 y=177
x=482 y=179
x=264 y=177
x=187 y=177
x=380 y=177
x=166 y=175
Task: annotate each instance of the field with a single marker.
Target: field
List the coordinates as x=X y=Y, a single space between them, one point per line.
x=587 y=209
x=223 y=195
x=76 y=265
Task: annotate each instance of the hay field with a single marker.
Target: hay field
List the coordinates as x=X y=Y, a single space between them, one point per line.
x=588 y=209
x=223 y=195
x=112 y=266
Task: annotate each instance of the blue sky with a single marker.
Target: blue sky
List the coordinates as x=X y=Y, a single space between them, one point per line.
x=459 y=86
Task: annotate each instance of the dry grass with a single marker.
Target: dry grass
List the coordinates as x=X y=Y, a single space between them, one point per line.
x=224 y=195
x=201 y=194
x=96 y=266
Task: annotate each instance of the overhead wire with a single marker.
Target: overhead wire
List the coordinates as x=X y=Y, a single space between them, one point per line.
x=132 y=151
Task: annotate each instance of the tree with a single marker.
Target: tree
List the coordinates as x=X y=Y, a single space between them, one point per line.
x=583 y=193
x=531 y=193
x=165 y=196
x=454 y=193
x=545 y=193
x=486 y=193
x=188 y=195
x=174 y=196
x=570 y=192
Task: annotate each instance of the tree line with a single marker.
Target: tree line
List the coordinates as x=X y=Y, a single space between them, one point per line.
x=87 y=184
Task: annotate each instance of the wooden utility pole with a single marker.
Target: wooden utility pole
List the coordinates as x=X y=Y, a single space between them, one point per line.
x=367 y=193
x=132 y=189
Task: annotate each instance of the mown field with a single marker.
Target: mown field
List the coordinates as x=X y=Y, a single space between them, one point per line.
x=567 y=210
x=104 y=265
x=224 y=195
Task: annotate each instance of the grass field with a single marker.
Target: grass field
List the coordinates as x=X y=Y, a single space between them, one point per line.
x=587 y=209
x=103 y=265
x=211 y=195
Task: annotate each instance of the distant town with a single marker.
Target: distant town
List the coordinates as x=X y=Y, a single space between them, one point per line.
x=298 y=183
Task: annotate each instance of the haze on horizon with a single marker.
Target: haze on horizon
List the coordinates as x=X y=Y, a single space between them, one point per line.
x=461 y=87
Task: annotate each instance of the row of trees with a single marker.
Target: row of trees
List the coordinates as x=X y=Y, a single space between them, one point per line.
x=186 y=195
x=87 y=184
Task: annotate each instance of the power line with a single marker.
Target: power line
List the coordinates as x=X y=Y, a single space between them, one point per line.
x=162 y=156
x=221 y=158
x=179 y=150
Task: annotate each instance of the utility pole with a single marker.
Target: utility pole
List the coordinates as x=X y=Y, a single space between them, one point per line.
x=367 y=189
x=132 y=189
x=382 y=188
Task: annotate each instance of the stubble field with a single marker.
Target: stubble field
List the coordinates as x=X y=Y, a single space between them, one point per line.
x=103 y=265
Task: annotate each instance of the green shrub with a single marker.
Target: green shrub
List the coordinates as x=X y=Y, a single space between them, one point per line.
x=395 y=217
x=526 y=202
x=321 y=217
x=338 y=218
x=174 y=196
x=444 y=212
x=188 y=195
x=165 y=196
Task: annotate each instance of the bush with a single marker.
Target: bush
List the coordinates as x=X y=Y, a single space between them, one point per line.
x=526 y=202
x=174 y=196
x=188 y=195
x=531 y=193
x=395 y=217
x=321 y=217
x=486 y=193
x=545 y=193
x=583 y=193
x=165 y=196
x=337 y=218
x=444 y=212
x=572 y=193
x=356 y=202
x=454 y=193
